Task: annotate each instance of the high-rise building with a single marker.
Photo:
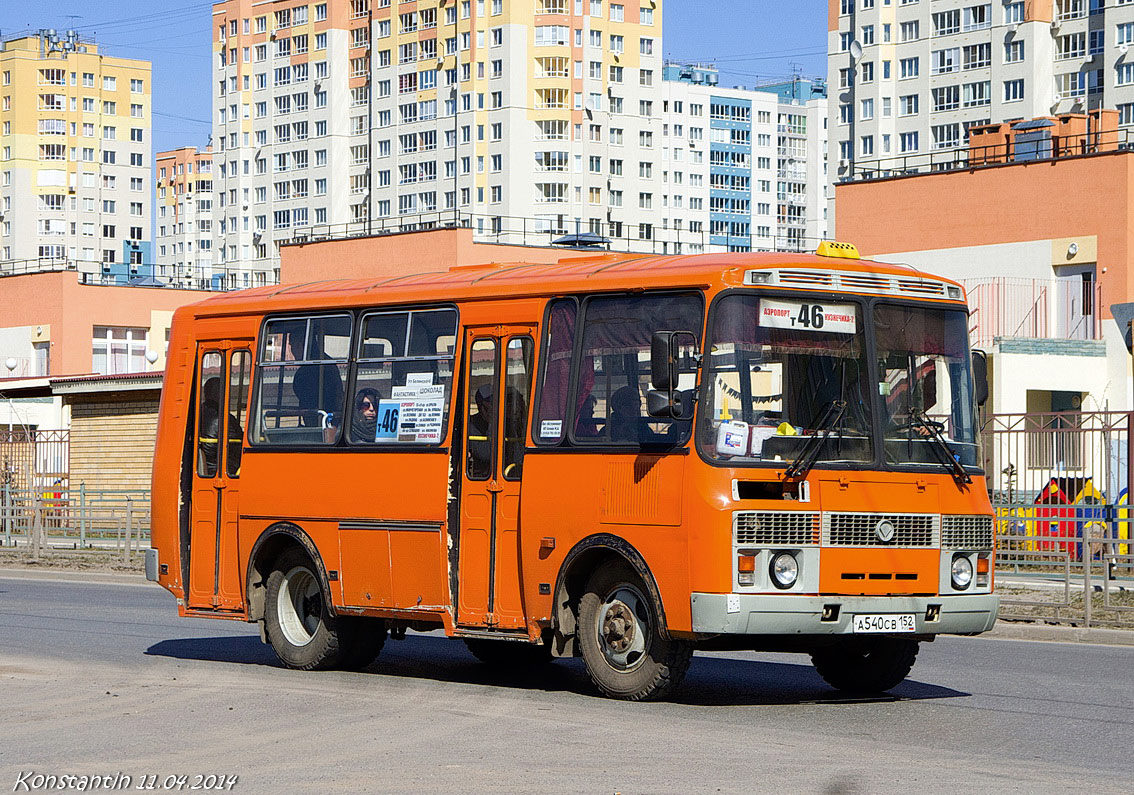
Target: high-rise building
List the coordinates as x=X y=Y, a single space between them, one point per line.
x=184 y=239
x=75 y=181
x=911 y=78
x=528 y=119
x=760 y=152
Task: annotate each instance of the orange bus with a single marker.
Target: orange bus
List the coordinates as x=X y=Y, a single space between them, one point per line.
x=618 y=457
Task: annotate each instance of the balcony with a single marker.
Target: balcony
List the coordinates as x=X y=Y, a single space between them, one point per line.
x=1059 y=308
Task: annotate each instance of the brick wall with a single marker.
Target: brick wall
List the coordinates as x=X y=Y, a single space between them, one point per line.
x=112 y=440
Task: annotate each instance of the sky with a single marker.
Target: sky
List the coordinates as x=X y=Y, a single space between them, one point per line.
x=749 y=40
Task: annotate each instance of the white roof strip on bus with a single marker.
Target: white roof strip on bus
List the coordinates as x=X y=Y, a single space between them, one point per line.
x=854 y=281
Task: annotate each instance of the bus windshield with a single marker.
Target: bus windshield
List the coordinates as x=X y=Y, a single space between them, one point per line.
x=925 y=384
x=774 y=368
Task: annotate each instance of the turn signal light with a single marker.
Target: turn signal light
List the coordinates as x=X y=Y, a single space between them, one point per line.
x=746 y=569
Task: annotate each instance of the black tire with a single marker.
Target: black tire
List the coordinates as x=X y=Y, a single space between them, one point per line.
x=362 y=640
x=620 y=637
x=866 y=665
x=509 y=654
x=297 y=620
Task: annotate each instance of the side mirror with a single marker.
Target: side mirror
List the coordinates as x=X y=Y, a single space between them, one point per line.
x=663 y=361
x=664 y=399
x=980 y=376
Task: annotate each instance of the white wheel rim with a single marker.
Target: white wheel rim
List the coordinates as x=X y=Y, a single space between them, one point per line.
x=299 y=606
x=622 y=627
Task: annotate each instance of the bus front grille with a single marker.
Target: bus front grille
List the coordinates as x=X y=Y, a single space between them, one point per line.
x=881 y=529
x=966 y=532
x=775 y=528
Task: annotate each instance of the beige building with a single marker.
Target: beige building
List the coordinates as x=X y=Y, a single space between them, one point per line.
x=184 y=200
x=75 y=184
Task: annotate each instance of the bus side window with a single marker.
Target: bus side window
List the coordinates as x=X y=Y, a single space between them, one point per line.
x=517 y=387
x=551 y=413
x=239 y=373
x=211 y=389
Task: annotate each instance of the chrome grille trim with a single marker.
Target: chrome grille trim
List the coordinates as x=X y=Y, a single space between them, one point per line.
x=911 y=286
x=857 y=529
x=775 y=528
x=967 y=532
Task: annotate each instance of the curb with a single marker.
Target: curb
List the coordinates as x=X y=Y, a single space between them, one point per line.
x=1012 y=630
x=76 y=576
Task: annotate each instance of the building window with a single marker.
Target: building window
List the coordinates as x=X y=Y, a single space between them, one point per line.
x=116 y=350
x=1014 y=90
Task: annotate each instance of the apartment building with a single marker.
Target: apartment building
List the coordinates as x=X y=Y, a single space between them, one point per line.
x=528 y=119
x=184 y=202
x=913 y=76
x=75 y=180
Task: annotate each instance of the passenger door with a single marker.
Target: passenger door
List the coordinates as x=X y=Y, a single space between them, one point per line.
x=498 y=361
x=223 y=375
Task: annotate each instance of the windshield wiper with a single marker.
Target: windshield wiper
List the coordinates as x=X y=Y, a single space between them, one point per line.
x=944 y=451
x=823 y=430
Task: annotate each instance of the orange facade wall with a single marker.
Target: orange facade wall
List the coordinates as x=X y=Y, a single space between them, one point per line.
x=1044 y=200
x=73 y=310
x=400 y=255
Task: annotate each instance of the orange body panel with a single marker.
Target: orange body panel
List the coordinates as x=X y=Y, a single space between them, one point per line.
x=878 y=571
x=380 y=521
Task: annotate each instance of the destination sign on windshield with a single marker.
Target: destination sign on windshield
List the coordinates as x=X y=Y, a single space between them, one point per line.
x=808 y=316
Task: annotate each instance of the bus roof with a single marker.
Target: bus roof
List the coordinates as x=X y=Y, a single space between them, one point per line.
x=588 y=273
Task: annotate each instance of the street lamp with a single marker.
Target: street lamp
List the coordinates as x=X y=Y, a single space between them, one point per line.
x=10 y=363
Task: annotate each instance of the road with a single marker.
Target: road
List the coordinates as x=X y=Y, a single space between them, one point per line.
x=105 y=678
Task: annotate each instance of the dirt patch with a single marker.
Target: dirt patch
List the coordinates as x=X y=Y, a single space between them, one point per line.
x=72 y=560
x=1114 y=610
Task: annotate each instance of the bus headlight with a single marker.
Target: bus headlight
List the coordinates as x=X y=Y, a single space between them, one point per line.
x=962 y=570
x=784 y=570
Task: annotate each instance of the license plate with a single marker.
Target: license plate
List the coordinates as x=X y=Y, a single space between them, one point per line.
x=895 y=622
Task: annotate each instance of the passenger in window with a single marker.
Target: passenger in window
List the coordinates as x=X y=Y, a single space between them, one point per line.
x=480 y=432
x=515 y=424
x=318 y=389
x=587 y=425
x=625 y=423
x=364 y=423
x=208 y=432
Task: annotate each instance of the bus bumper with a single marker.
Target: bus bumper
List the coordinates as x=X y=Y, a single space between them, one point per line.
x=152 y=564
x=782 y=614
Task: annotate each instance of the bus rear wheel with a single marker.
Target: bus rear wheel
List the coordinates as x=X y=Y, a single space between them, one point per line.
x=509 y=654
x=620 y=637
x=297 y=619
x=866 y=665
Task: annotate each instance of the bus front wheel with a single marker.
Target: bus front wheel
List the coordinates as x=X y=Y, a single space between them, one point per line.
x=298 y=622
x=866 y=665
x=619 y=634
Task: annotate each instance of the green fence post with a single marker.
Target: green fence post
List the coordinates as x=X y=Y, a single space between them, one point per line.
x=7 y=514
x=82 y=514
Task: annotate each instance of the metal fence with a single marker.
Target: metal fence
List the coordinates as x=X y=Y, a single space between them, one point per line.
x=31 y=458
x=75 y=518
x=1067 y=565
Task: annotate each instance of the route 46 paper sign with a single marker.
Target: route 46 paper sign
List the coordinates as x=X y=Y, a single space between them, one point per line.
x=808 y=316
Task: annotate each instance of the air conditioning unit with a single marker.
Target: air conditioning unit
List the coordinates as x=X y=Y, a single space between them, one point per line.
x=1123 y=48
x=844 y=163
x=1056 y=98
x=1015 y=26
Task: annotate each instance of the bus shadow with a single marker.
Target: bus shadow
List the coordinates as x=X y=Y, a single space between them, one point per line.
x=712 y=681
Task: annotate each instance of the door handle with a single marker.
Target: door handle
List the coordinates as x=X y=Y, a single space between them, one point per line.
x=495 y=487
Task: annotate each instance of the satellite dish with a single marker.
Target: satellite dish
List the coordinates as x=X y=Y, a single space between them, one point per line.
x=855 y=50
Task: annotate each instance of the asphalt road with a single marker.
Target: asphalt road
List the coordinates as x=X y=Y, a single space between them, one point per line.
x=105 y=679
